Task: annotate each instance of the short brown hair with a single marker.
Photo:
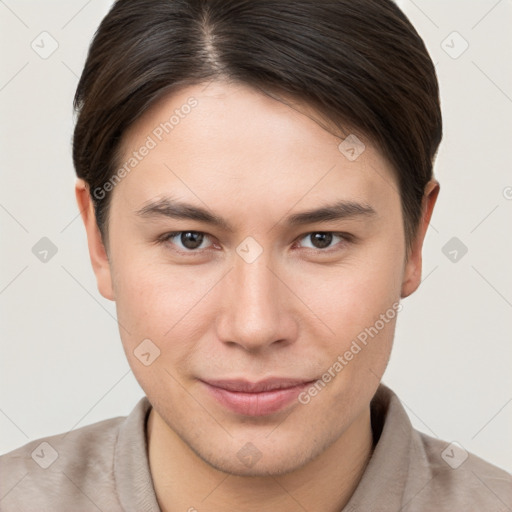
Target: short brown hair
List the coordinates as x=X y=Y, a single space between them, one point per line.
x=360 y=64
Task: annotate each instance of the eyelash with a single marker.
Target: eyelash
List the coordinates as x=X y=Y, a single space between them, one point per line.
x=346 y=238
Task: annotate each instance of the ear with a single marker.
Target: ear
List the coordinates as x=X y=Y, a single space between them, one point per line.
x=97 y=252
x=412 y=272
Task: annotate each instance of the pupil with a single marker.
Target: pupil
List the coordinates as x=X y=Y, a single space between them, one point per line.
x=321 y=240
x=191 y=239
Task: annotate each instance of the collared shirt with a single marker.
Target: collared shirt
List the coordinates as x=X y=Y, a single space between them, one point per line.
x=104 y=466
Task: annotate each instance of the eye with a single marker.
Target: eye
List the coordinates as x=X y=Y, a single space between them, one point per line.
x=190 y=241
x=323 y=239
x=195 y=241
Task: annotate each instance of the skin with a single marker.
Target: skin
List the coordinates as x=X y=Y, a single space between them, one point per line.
x=290 y=313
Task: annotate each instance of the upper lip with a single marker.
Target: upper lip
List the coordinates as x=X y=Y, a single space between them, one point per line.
x=245 y=386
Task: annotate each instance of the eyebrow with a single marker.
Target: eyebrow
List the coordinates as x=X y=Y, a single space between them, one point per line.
x=171 y=208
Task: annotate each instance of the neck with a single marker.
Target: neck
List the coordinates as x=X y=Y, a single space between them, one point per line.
x=184 y=482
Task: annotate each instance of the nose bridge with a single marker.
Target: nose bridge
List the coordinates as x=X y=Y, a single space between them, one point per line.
x=254 y=315
x=254 y=284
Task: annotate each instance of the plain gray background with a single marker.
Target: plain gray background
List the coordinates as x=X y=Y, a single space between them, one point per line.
x=62 y=364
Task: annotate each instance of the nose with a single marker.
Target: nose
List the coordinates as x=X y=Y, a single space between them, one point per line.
x=257 y=308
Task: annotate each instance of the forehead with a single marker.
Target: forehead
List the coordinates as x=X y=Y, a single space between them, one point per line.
x=223 y=143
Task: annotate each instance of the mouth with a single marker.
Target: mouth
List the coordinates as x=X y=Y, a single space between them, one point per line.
x=256 y=398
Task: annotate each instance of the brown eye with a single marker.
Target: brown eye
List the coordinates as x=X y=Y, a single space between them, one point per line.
x=186 y=240
x=323 y=239
x=191 y=239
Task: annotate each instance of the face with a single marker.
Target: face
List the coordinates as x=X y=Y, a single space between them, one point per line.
x=262 y=298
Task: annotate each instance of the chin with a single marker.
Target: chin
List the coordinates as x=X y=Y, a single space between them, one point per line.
x=260 y=457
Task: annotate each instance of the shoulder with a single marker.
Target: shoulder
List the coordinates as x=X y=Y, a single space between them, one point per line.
x=427 y=473
x=458 y=478
x=72 y=470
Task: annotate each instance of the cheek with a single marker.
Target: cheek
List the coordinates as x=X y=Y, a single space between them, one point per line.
x=361 y=308
x=168 y=304
x=149 y=299
x=140 y=296
x=359 y=301
x=351 y=296
x=152 y=307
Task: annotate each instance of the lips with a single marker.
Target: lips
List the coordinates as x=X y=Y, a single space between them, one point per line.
x=255 y=398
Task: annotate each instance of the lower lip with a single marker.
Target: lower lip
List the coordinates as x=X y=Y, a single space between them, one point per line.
x=256 y=404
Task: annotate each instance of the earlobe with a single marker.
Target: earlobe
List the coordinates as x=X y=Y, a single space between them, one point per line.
x=412 y=271
x=97 y=252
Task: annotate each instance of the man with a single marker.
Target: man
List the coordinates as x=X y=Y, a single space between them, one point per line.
x=251 y=213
